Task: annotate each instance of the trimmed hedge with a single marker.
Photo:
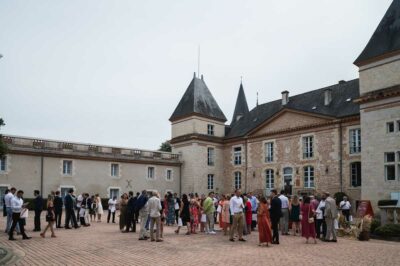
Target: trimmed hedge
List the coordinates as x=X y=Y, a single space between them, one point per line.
x=374 y=224
x=388 y=230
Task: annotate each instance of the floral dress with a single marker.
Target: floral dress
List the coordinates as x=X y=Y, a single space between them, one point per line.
x=194 y=213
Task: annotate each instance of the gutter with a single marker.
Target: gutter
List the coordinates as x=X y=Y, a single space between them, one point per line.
x=41 y=175
x=341 y=156
x=245 y=175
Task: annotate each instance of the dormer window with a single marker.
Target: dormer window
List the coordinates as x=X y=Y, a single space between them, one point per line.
x=210 y=130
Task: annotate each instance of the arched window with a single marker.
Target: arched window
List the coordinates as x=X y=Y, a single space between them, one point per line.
x=269 y=179
x=308 y=177
x=238 y=180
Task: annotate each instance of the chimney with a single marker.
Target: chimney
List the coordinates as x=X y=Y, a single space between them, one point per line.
x=285 y=97
x=202 y=78
x=342 y=81
x=327 y=97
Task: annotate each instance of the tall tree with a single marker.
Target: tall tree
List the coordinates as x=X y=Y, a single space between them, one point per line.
x=165 y=146
x=3 y=146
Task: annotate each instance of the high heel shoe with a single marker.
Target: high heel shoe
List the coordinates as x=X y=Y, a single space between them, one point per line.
x=53 y=235
x=42 y=235
x=176 y=232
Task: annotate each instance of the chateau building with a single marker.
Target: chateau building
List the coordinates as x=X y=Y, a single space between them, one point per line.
x=340 y=138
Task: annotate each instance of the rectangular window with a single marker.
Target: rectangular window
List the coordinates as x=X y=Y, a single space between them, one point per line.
x=210 y=182
x=390 y=166
x=3 y=164
x=169 y=175
x=390 y=127
x=355 y=174
x=269 y=152
x=398 y=125
x=150 y=172
x=308 y=177
x=269 y=179
x=237 y=155
x=115 y=169
x=210 y=156
x=355 y=141
x=114 y=192
x=308 y=149
x=67 y=167
x=210 y=130
x=238 y=180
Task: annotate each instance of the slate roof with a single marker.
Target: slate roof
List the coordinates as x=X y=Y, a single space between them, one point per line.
x=198 y=100
x=341 y=106
x=386 y=38
x=241 y=107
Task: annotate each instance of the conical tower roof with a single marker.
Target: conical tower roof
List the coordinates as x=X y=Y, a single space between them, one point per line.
x=241 y=107
x=386 y=38
x=198 y=100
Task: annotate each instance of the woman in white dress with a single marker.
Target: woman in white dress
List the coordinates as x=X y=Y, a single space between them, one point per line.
x=99 y=208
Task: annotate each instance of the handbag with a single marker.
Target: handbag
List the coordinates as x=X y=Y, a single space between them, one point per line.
x=180 y=222
x=310 y=219
x=203 y=218
x=219 y=209
x=49 y=217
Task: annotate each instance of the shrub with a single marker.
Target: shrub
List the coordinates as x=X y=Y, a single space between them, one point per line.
x=388 y=230
x=374 y=224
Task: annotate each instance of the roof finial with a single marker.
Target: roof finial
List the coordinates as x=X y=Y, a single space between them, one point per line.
x=241 y=79
x=194 y=74
x=257 y=99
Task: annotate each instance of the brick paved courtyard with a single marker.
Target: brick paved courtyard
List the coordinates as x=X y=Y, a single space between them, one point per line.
x=103 y=244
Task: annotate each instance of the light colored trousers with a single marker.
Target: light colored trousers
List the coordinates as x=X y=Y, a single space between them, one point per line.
x=10 y=220
x=209 y=222
x=330 y=228
x=238 y=220
x=156 y=221
x=143 y=215
x=284 y=222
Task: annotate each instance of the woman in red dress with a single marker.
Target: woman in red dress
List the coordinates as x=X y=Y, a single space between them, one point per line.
x=248 y=215
x=263 y=221
x=220 y=206
x=307 y=221
x=194 y=214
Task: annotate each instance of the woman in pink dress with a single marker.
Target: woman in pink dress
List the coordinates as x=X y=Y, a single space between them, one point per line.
x=194 y=214
x=307 y=221
x=248 y=214
x=226 y=214
x=220 y=205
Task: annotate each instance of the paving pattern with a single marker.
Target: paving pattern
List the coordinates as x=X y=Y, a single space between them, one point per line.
x=103 y=244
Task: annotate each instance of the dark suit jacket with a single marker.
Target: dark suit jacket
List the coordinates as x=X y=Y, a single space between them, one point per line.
x=69 y=202
x=276 y=208
x=140 y=202
x=38 y=201
x=131 y=204
x=58 y=204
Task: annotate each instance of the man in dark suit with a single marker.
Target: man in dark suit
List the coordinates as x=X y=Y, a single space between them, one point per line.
x=58 y=204
x=130 y=213
x=38 y=201
x=69 y=210
x=276 y=214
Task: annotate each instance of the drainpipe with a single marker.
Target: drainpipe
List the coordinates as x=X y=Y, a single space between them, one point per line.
x=180 y=180
x=341 y=155
x=41 y=174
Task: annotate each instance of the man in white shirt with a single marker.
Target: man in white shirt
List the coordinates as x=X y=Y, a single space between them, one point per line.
x=154 y=209
x=345 y=206
x=17 y=204
x=7 y=198
x=236 y=206
x=112 y=202
x=284 y=223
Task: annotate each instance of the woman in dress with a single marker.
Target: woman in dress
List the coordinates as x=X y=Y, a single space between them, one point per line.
x=122 y=213
x=226 y=214
x=99 y=208
x=194 y=214
x=93 y=209
x=264 y=225
x=201 y=214
x=50 y=218
x=248 y=214
x=307 y=221
x=184 y=214
x=219 y=210
x=295 y=214
x=171 y=209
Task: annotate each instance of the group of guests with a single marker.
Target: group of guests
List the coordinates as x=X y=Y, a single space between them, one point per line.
x=84 y=207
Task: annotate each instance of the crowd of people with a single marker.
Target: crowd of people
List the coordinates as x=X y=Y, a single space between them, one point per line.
x=237 y=214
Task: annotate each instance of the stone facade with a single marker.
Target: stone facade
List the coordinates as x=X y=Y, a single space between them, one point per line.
x=38 y=164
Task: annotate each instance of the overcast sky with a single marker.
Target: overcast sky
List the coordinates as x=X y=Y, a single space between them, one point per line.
x=112 y=72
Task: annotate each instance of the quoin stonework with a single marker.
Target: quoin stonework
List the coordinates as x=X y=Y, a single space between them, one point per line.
x=340 y=138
